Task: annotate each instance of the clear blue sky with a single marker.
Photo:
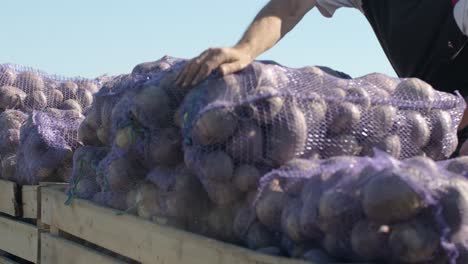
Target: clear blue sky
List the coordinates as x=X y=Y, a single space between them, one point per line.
x=92 y=37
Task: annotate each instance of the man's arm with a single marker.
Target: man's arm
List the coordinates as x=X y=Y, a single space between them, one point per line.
x=271 y=24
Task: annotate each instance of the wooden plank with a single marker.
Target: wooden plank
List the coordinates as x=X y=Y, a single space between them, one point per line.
x=19 y=239
x=29 y=198
x=4 y=260
x=8 y=198
x=138 y=239
x=56 y=250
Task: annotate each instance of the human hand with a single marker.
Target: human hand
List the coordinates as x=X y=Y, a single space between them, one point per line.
x=227 y=60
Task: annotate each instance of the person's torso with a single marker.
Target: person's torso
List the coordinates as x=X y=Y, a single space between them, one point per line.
x=421 y=39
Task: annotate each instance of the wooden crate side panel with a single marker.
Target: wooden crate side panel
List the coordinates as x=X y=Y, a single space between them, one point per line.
x=8 y=198
x=29 y=197
x=19 y=239
x=56 y=250
x=138 y=239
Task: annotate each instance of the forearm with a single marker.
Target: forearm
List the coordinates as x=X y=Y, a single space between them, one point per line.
x=272 y=23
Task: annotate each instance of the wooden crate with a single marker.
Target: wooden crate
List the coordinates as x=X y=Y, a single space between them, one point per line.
x=129 y=236
x=19 y=221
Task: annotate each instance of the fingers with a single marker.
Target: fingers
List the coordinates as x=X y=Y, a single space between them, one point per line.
x=211 y=63
x=189 y=68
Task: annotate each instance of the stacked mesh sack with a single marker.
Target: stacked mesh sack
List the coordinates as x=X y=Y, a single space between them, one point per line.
x=239 y=127
x=361 y=209
x=193 y=158
x=39 y=117
x=133 y=157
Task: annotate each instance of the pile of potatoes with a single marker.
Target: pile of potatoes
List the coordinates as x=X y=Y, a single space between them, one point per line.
x=27 y=90
x=359 y=210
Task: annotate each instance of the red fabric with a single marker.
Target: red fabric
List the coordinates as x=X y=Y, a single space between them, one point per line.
x=454 y=2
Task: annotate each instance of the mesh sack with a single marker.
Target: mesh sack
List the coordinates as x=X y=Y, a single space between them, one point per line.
x=268 y=115
x=28 y=89
x=46 y=147
x=369 y=208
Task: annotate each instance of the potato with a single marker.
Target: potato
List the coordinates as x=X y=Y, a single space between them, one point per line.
x=271 y=75
x=414 y=242
x=247 y=143
x=286 y=137
x=69 y=90
x=335 y=93
x=310 y=197
x=216 y=166
x=369 y=240
x=387 y=198
x=186 y=200
x=379 y=122
x=454 y=203
x=105 y=113
x=338 y=245
x=414 y=128
x=338 y=211
x=12 y=119
x=36 y=100
x=165 y=147
x=270 y=207
x=131 y=202
x=89 y=86
x=421 y=162
x=343 y=145
x=87 y=134
x=294 y=186
x=29 y=82
x=122 y=174
x=243 y=220
x=458 y=165
x=152 y=107
x=258 y=236
x=442 y=143
x=214 y=126
x=390 y=144
x=361 y=97
x=116 y=200
x=9 y=141
x=246 y=178
x=84 y=97
x=415 y=90
x=85 y=188
x=222 y=194
x=317 y=256
x=127 y=136
x=8 y=163
x=54 y=98
x=219 y=224
x=71 y=104
x=147 y=201
x=290 y=220
x=267 y=106
x=7 y=76
x=343 y=117
x=381 y=81
x=11 y=97
x=316 y=73
x=316 y=108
